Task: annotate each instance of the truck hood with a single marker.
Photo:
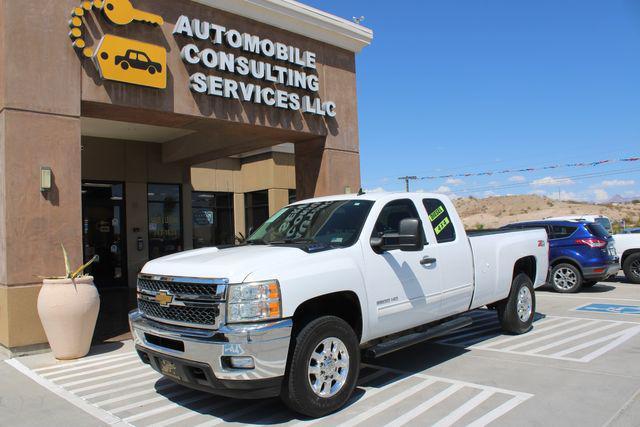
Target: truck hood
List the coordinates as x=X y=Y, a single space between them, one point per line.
x=234 y=263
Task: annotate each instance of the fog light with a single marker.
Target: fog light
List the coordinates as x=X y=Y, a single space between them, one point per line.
x=242 y=362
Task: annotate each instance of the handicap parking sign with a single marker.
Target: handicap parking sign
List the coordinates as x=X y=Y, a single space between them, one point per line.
x=611 y=308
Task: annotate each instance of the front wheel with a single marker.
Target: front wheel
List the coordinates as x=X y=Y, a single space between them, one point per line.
x=631 y=268
x=323 y=367
x=517 y=311
x=566 y=278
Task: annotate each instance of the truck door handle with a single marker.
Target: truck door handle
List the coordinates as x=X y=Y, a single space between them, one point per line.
x=427 y=261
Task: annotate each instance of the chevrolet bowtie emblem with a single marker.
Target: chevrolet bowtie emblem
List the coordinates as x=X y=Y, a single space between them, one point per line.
x=164 y=298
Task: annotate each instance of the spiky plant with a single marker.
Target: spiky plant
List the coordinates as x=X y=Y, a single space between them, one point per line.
x=69 y=274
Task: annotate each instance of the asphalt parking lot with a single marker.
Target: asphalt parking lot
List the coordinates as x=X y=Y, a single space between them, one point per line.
x=576 y=367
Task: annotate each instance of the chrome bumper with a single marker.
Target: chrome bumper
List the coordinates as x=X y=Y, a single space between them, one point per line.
x=267 y=343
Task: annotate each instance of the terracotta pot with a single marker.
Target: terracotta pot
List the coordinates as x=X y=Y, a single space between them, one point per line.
x=68 y=311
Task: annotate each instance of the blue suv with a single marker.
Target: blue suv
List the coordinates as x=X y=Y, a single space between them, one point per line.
x=580 y=253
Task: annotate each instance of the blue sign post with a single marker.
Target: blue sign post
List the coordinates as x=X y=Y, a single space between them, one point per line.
x=611 y=308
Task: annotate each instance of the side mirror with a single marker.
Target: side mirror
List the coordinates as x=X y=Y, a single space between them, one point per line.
x=408 y=237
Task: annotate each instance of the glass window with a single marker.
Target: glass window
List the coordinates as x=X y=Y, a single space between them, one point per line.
x=561 y=231
x=336 y=223
x=165 y=219
x=256 y=205
x=440 y=221
x=212 y=219
x=598 y=231
x=605 y=223
x=391 y=215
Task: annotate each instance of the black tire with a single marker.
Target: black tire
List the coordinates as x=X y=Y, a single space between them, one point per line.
x=631 y=267
x=297 y=392
x=573 y=281
x=589 y=283
x=124 y=65
x=510 y=310
x=152 y=70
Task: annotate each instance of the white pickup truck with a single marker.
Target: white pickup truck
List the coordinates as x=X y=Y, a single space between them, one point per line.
x=323 y=282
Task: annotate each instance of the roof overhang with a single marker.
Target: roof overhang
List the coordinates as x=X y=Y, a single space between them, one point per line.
x=301 y=19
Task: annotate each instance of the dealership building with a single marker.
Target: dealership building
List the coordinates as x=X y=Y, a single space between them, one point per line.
x=133 y=133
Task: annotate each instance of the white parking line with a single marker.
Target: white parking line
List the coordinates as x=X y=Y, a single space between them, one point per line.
x=140 y=402
x=119 y=389
x=463 y=410
x=425 y=406
x=388 y=403
x=572 y=338
x=190 y=414
x=487 y=340
x=168 y=407
x=160 y=398
x=93 y=371
x=118 y=381
x=132 y=395
x=102 y=377
x=63 y=368
x=84 y=361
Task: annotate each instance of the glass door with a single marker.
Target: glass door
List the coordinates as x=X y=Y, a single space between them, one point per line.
x=103 y=232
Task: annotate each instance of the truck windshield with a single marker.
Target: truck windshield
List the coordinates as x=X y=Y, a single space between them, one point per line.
x=605 y=223
x=334 y=223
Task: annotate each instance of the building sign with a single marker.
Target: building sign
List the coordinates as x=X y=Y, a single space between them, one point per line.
x=295 y=69
x=277 y=84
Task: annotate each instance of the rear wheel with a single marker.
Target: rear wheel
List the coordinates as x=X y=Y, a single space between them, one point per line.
x=566 y=278
x=323 y=367
x=631 y=268
x=124 y=65
x=517 y=311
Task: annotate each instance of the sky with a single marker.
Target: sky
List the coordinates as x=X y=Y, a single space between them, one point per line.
x=463 y=86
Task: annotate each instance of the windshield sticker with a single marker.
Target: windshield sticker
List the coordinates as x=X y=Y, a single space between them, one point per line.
x=442 y=225
x=337 y=240
x=436 y=213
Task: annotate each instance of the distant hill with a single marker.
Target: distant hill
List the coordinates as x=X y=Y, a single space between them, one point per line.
x=492 y=212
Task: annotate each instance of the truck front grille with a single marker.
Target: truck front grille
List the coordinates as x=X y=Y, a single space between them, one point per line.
x=182 y=301
x=197 y=316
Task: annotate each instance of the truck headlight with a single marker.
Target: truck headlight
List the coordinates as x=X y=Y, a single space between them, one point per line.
x=254 y=302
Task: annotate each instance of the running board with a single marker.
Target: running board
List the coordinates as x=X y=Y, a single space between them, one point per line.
x=405 y=341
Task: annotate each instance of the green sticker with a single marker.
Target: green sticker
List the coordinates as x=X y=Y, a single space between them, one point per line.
x=436 y=213
x=442 y=225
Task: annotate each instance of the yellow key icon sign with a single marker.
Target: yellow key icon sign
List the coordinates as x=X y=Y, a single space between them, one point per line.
x=122 y=12
x=130 y=61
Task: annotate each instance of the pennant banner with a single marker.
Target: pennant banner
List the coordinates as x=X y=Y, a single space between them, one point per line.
x=523 y=170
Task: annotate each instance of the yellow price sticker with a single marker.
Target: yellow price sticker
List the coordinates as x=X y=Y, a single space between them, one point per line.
x=442 y=225
x=436 y=213
x=131 y=61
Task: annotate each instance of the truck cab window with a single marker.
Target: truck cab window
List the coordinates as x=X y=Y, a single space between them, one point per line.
x=391 y=215
x=440 y=221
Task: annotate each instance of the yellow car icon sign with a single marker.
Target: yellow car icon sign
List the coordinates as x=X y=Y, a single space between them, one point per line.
x=131 y=61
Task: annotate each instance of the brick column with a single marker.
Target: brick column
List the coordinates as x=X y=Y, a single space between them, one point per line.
x=39 y=126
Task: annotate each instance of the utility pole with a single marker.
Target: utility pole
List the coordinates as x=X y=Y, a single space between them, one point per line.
x=406 y=180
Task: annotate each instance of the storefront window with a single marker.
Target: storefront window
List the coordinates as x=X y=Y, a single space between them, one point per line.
x=256 y=206
x=165 y=219
x=212 y=219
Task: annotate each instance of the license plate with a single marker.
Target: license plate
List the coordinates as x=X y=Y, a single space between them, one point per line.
x=169 y=369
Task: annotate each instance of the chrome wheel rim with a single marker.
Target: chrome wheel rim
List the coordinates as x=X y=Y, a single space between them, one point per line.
x=635 y=268
x=565 y=278
x=328 y=367
x=525 y=304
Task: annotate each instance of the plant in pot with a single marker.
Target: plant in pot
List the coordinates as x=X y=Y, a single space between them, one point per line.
x=68 y=308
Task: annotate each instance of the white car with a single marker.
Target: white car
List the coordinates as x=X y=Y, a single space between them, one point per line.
x=289 y=312
x=627 y=245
